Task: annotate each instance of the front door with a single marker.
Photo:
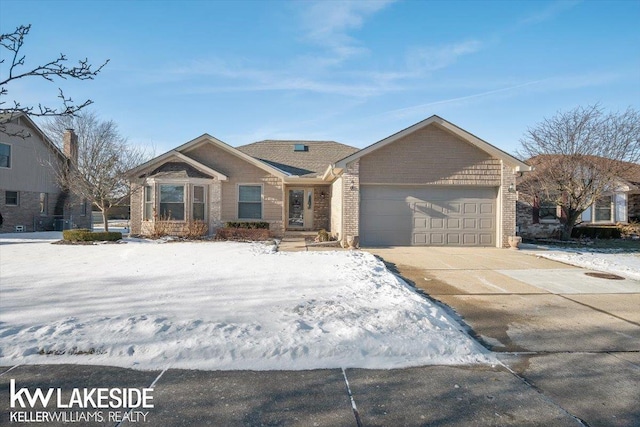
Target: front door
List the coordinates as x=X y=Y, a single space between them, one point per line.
x=300 y=207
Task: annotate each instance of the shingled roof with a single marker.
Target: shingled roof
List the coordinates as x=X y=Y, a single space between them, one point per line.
x=305 y=163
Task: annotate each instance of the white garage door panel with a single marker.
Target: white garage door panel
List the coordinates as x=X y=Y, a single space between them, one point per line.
x=433 y=216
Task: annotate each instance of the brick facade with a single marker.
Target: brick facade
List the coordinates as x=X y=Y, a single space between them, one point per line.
x=430 y=156
x=27 y=213
x=321 y=207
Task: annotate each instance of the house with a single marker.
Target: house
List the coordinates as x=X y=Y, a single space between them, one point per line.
x=430 y=184
x=539 y=218
x=31 y=199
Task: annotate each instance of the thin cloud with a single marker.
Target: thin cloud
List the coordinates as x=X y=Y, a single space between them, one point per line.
x=431 y=58
x=327 y=24
x=419 y=109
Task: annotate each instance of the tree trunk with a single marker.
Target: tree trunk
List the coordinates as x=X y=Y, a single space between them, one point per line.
x=104 y=219
x=567 y=228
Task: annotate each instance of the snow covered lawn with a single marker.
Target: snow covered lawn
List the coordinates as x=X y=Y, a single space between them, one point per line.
x=622 y=264
x=215 y=306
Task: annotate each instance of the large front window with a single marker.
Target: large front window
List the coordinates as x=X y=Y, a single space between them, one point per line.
x=603 y=209
x=249 y=202
x=5 y=155
x=172 y=202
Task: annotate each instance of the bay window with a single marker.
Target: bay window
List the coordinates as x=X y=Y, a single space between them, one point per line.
x=198 y=202
x=172 y=202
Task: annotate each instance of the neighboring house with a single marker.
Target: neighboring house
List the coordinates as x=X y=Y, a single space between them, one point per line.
x=430 y=184
x=30 y=197
x=538 y=218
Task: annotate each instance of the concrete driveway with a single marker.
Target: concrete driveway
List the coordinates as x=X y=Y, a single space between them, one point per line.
x=574 y=338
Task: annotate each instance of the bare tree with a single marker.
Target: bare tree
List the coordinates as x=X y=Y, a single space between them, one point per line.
x=104 y=156
x=14 y=70
x=579 y=155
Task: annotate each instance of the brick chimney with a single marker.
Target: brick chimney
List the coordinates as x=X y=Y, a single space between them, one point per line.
x=70 y=142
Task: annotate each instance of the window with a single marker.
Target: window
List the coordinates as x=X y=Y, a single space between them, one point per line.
x=250 y=202
x=548 y=210
x=198 y=202
x=172 y=202
x=43 y=203
x=11 y=198
x=603 y=209
x=5 y=155
x=148 y=203
x=300 y=147
x=83 y=208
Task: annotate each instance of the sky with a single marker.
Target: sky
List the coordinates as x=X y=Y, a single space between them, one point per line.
x=348 y=71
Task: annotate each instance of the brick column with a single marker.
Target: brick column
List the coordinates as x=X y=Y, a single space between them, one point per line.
x=508 y=204
x=351 y=200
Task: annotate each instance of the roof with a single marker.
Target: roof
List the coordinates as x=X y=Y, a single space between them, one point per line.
x=310 y=163
x=450 y=127
x=627 y=171
x=28 y=122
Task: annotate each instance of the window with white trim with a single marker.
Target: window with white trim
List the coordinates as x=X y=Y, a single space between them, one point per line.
x=5 y=155
x=198 y=202
x=147 y=215
x=249 y=202
x=603 y=209
x=172 y=202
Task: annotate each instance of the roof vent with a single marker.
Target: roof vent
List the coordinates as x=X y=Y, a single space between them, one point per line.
x=300 y=147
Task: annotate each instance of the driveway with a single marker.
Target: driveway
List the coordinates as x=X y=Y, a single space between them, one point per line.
x=574 y=338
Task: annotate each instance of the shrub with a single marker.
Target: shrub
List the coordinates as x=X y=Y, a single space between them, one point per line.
x=631 y=229
x=195 y=229
x=595 y=232
x=323 y=236
x=84 y=235
x=257 y=225
x=243 y=234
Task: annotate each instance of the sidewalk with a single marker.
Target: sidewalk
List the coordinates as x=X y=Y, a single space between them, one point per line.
x=431 y=395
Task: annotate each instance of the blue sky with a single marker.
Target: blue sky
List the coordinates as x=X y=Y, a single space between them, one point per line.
x=353 y=72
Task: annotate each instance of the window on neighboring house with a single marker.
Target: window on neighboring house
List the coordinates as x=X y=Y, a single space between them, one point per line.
x=172 y=202
x=250 y=202
x=603 y=209
x=198 y=203
x=148 y=203
x=43 y=203
x=5 y=155
x=548 y=210
x=83 y=207
x=11 y=198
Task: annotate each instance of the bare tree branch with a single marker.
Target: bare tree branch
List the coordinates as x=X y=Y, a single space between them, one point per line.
x=579 y=156
x=104 y=157
x=50 y=71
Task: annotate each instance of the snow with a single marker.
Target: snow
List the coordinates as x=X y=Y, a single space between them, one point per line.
x=215 y=306
x=623 y=264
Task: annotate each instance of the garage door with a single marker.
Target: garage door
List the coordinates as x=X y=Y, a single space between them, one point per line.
x=434 y=216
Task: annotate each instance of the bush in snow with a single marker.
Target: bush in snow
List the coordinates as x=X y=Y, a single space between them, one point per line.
x=84 y=235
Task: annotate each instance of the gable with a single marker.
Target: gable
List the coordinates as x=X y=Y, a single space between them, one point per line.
x=451 y=128
x=224 y=161
x=430 y=155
